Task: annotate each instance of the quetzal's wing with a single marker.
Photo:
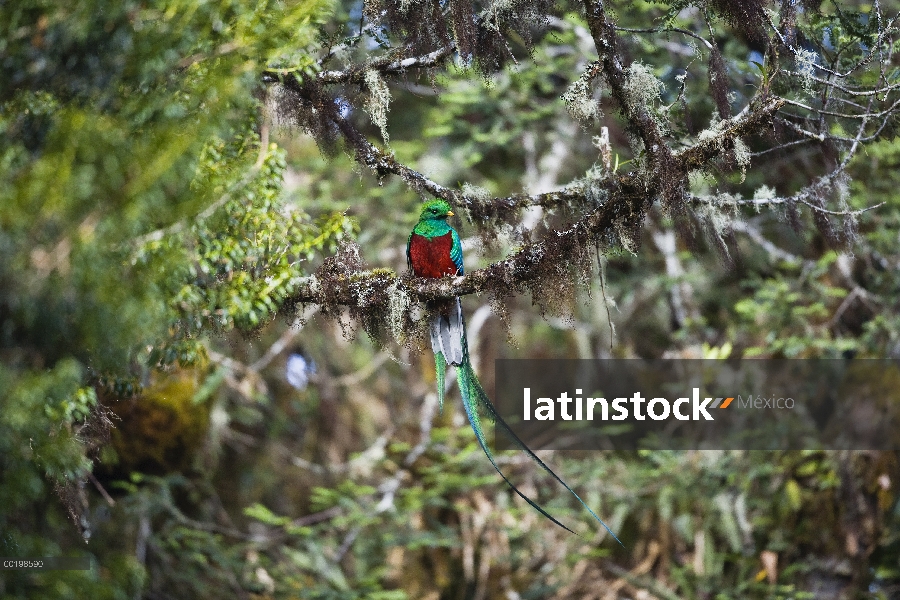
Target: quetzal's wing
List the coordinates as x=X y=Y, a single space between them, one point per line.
x=408 y=257
x=456 y=252
x=448 y=326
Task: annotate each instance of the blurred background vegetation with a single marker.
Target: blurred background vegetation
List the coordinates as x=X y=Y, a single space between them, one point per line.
x=157 y=212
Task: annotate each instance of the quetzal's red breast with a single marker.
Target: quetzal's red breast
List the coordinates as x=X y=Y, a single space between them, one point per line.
x=431 y=257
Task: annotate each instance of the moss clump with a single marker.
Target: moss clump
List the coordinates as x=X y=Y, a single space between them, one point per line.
x=158 y=431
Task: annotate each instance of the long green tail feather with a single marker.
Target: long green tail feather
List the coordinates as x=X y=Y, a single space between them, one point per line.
x=469 y=393
x=474 y=397
x=440 y=364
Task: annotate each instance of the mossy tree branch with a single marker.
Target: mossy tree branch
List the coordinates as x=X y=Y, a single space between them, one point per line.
x=606 y=202
x=371 y=289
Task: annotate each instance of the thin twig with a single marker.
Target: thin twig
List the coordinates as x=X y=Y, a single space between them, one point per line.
x=101 y=489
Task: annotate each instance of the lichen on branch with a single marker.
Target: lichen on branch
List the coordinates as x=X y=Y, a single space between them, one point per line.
x=606 y=207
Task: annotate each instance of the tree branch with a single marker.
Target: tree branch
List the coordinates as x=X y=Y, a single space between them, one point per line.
x=749 y=121
x=608 y=202
x=372 y=290
x=638 y=116
x=389 y=64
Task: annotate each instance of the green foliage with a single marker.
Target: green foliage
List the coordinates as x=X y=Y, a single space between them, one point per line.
x=39 y=446
x=146 y=202
x=116 y=120
x=245 y=258
x=828 y=307
x=801 y=324
x=481 y=119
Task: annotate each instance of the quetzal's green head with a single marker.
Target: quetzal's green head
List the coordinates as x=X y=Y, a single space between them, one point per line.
x=435 y=210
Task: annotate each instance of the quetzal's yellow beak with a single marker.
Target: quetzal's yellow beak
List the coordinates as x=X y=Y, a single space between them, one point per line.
x=449 y=213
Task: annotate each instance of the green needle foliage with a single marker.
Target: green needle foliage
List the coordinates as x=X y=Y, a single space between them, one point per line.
x=139 y=208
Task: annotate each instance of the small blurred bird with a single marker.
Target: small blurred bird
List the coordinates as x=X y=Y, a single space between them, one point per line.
x=299 y=369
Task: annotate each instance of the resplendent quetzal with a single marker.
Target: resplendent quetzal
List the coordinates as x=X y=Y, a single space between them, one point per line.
x=434 y=250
